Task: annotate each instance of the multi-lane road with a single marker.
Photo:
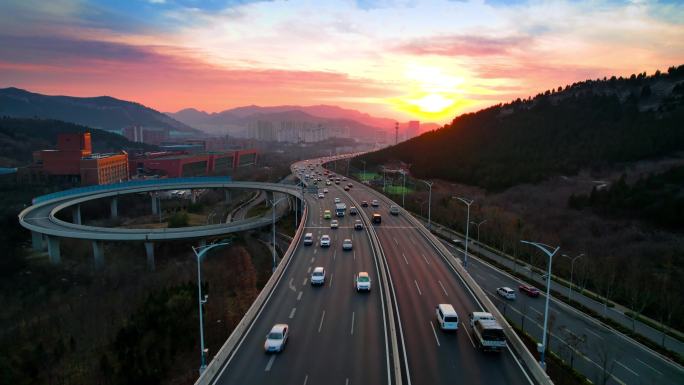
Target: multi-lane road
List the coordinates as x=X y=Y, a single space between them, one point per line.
x=339 y=336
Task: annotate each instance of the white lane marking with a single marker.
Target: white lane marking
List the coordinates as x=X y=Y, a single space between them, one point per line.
x=395 y=241
x=440 y=284
x=649 y=366
x=594 y=333
x=405 y=260
x=425 y=258
x=308 y=271
x=626 y=368
x=306 y=379
x=291 y=285
x=355 y=255
x=270 y=363
x=536 y=311
x=315 y=251
x=292 y=313
x=419 y=292
x=331 y=278
x=320 y=325
x=346 y=381
x=312 y=259
x=304 y=283
x=352 y=325
x=299 y=296
x=471 y=339
x=334 y=254
x=435 y=333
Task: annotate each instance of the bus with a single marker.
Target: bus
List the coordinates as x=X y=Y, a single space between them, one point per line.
x=489 y=335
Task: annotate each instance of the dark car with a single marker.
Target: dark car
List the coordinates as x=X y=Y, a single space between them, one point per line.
x=364 y=203
x=529 y=290
x=377 y=218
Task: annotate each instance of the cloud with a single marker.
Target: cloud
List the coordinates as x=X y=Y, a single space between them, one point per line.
x=464 y=45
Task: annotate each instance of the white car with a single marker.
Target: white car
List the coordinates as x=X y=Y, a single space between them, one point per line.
x=375 y=203
x=347 y=244
x=362 y=281
x=338 y=200
x=318 y=276
x=325 y=240
x=358 y=225
x=328 y=183
x=325 y=190
x=334 y=224
x=321 y=195
x=276 y=338
x=506 y=292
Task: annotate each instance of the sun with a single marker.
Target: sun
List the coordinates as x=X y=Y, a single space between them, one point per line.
x=432 y=103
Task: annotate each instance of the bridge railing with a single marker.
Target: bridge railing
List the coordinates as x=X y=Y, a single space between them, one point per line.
x=131 y=184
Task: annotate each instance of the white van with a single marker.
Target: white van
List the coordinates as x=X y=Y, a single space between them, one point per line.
x=446 y=316
x=480 y=315
x=308 y=239
x=506 y=292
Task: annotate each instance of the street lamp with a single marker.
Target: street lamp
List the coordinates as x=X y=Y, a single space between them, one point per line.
x=550 y=252
x=403 y=188
x=467 y=202
x=274 y=203
x=572 y=268
x=199 y=252
x=429 y=184
x=478 y=229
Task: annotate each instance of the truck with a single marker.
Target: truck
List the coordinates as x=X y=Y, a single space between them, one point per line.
x=489 y=335
x=340 y=208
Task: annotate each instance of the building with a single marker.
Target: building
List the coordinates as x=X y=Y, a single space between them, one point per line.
x=262 y=130
x=74 y=161
x=183 y=164
x=148 y=135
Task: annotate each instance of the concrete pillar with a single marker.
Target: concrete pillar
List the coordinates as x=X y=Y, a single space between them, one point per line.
x=37 y=241
x=193 y=197
x=98 y=254
x=53 y=250
x=227 y=194
x=114 y=207
x=76 y=214
x=155 y=207
x=149 y=250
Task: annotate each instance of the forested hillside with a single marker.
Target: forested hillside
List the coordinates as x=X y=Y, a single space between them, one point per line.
x=20 y=137
x=558 y=132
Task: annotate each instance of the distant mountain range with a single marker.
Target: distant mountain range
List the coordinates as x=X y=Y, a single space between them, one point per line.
x=234 y=120
x=588 y=124
x=101 y=112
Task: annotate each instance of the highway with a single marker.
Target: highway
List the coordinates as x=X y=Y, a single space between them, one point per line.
x=422 y=279
x=337 y=336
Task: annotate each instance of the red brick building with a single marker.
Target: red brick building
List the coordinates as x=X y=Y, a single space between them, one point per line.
x=182 y=164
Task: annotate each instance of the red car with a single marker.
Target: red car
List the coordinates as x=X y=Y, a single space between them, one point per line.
x=529 y=290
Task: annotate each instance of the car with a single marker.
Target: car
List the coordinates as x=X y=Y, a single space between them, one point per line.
x=377 y=218
x=276 y=338
x=364 y=203
x=447 y=318
x=506 y=292
x=358 y=225
x=325 y=240
x=318 y=276
x=350 y=185
x=337 y=182
x=338 y=200
x=362 y=281
x=327 y=214
x=529 y=290
x=344 y=178
x=375 y=203
x=328 y=183
x=321 y=195
x=347 y=244
x=353 y=211
x=346 y=188
x=394 y=210
x=315 y=182
x=308 y=239
x=334 y=224
x=325 y=190
x=457 y=242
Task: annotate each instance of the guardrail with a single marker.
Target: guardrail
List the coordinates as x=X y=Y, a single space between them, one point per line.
x=217 y=363
x=132 y=183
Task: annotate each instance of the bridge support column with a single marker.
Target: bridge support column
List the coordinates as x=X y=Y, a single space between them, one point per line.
x=149 y=250
x=37 y=241
x=114 y=208
x=226 y=192
x=76 y=214
x=269 y=197
x=53 y=250
x=155 y=204
x=193 y=197
x=98 y=254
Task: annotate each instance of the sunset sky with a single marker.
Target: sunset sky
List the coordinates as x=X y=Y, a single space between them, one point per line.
x=428 y=60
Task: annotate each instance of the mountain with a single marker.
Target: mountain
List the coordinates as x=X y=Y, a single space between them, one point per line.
x=101 y=112
x=589 y=124
x=236 y=119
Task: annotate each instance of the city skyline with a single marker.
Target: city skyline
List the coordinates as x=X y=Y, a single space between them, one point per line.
x=398 y=59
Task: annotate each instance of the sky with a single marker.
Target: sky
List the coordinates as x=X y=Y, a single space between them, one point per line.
x=403 y=59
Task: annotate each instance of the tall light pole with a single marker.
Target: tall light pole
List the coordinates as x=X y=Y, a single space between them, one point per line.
x=467 y=202
x=572 y=268
x=199 y=252
x=274 y=203
x=478 y=229
x=403 y=188
x=429 y=184
x=550 y=252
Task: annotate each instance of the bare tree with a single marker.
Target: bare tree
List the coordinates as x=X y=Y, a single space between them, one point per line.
x=606 y=362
